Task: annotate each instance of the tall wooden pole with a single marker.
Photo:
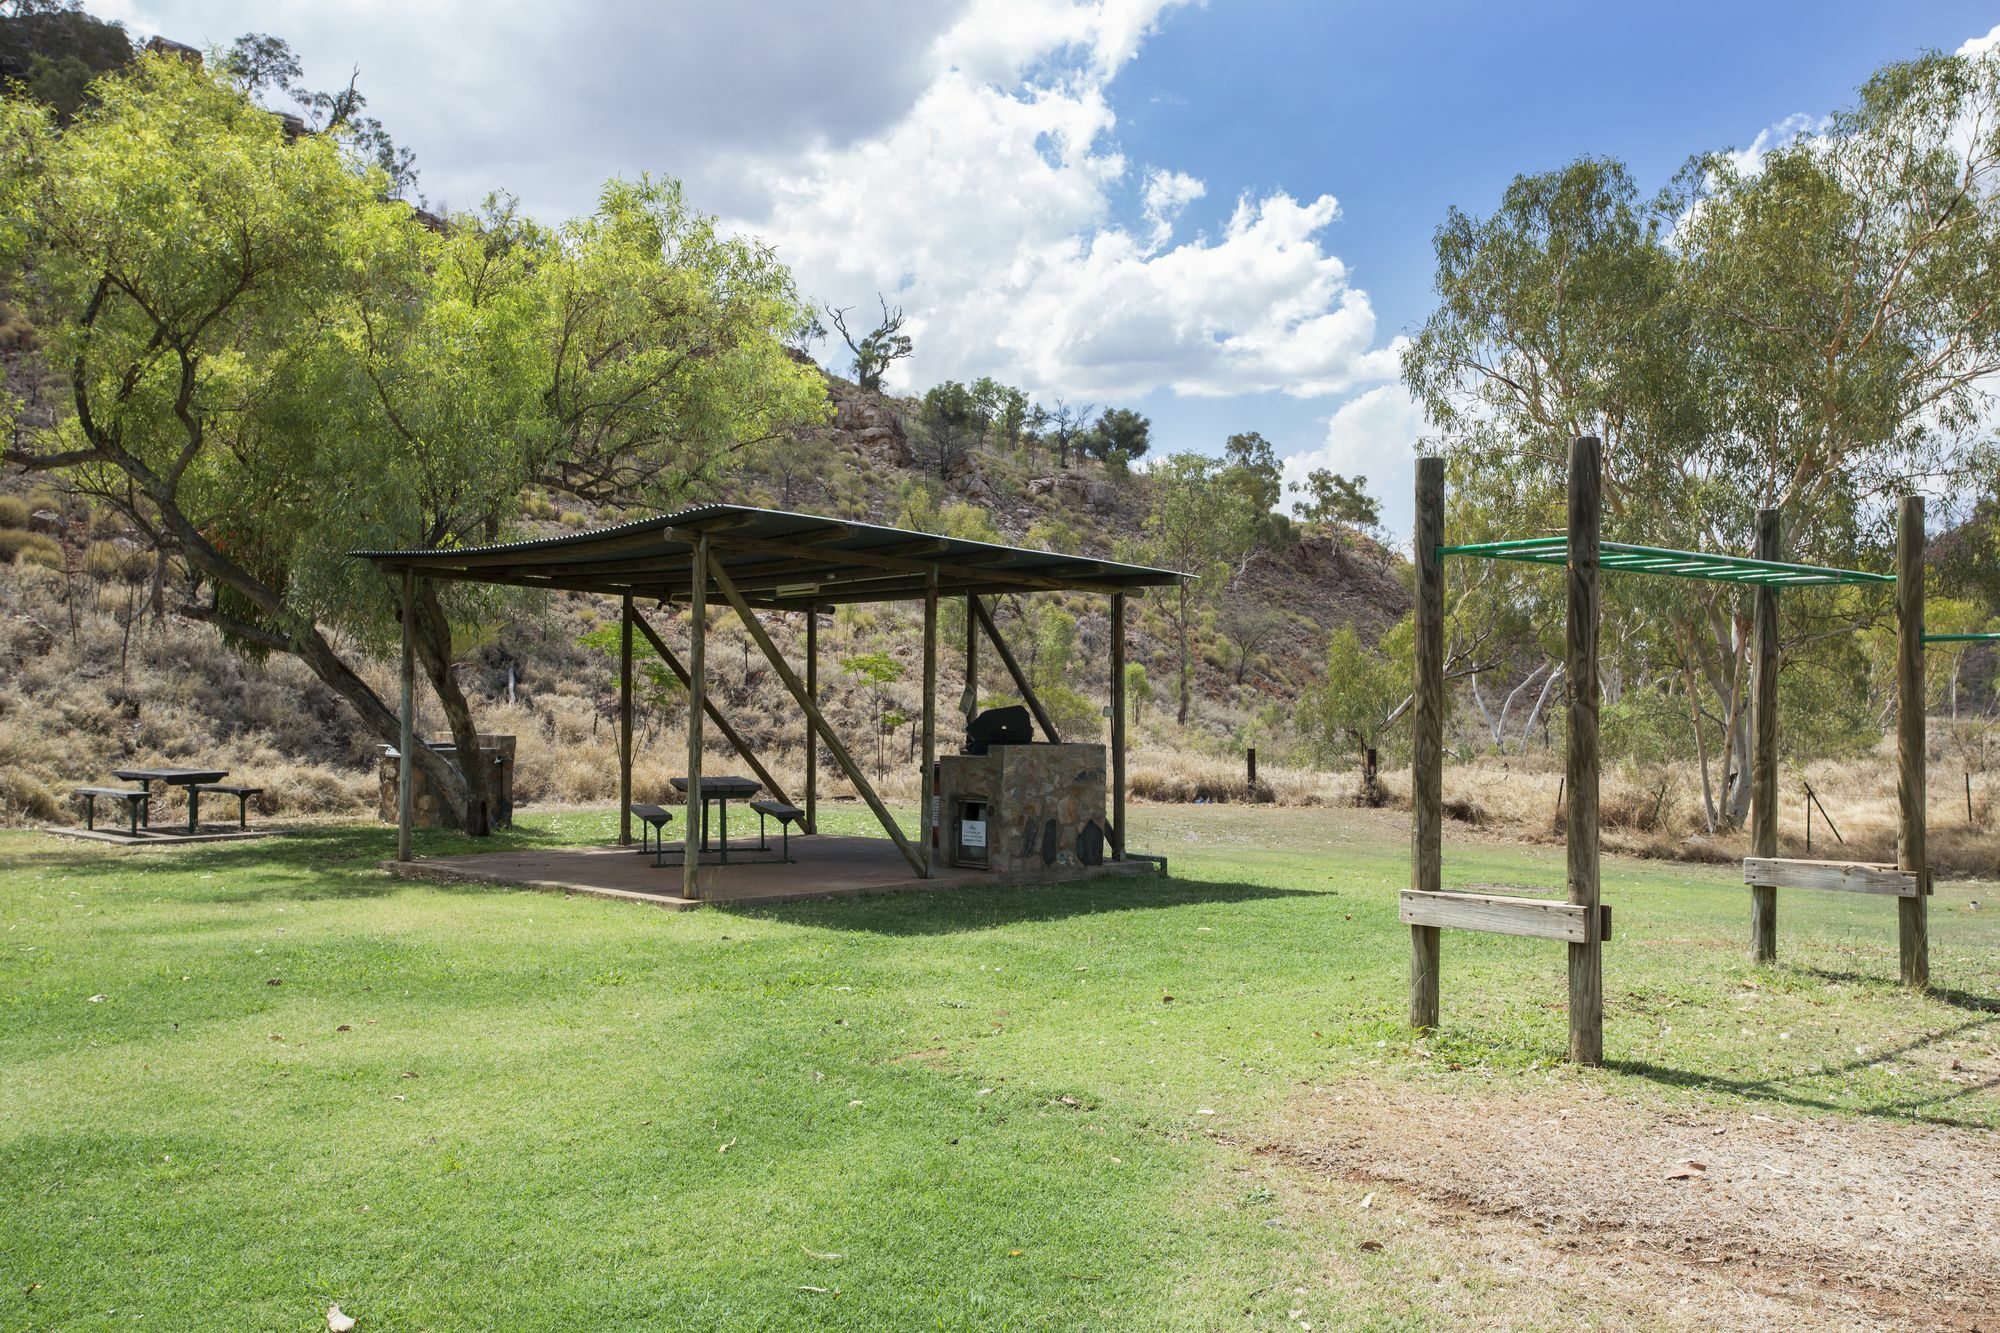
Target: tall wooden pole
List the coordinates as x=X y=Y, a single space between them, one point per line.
x=1912 y=914
x=1118 y=725
x=968 y=702
x=625 y=722
x=1586 y=972
x=812 y=741
x=406 y=741
x=691 y=838
x=930 y=814
x=1764 y=745
x=1427 y=739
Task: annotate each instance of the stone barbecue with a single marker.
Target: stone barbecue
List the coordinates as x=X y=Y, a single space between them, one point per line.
x=1023 y=810
x=427 y=810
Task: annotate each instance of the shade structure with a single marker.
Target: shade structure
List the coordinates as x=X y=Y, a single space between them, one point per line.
x=1674 y=564
x=1962 y=638
x=754 y=561
x=779 y=561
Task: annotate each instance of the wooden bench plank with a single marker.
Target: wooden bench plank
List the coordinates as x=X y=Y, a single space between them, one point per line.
x=1538 y=918
x=1842 y=876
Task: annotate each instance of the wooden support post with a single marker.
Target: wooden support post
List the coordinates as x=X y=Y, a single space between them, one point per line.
x=722 y=724
x=810 y=707
x=1913 y=913
x=1764 y=744
x=1427 y=739
x=406 y=741
x=968 y=701
x=1118 y=726
x=812 y=741
x=1020 y=677
x=929 y=815
x=625 y=722
x=1586 y=970
x=691 y=838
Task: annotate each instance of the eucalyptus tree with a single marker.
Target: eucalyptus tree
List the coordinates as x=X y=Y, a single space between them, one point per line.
x=1807 y=331
x=1199 y=526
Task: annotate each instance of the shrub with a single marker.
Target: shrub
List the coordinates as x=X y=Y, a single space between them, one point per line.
x=30 y=548
x=119 y=561
x=13 y=512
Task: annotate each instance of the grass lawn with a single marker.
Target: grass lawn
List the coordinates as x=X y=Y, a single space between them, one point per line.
x=240 y=1082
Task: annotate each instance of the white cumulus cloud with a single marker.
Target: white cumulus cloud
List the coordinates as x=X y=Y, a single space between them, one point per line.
x=1002 y=215
x=1374 y=435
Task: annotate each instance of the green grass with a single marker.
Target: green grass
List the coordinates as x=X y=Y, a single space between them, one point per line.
x=562 y=1113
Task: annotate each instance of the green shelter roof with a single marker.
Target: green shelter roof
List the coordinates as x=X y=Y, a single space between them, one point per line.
x=1962 y=638
x=1675 y=564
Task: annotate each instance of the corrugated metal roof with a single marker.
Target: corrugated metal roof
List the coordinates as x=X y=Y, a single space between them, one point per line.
x=778 y=560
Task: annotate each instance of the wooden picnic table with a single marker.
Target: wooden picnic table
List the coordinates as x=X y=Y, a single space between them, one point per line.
x=720 y=790
x=191 y=778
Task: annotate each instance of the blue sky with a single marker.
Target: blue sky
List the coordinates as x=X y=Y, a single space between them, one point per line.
x=1218 y=212
x=1403 y=111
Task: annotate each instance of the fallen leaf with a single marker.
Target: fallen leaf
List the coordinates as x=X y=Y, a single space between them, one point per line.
x=411 y=1073
x=278 y=981
x=1014 y=1254
x=825 y=1258
x=1371 y=1245
x=99 y=999
x=31 y=1288
x=1368 y=1198
x=818 y=1291
x=397 y=1097
x=345 y=1027
x=727 y=1146
x=336 y=1322
x=855 y=1102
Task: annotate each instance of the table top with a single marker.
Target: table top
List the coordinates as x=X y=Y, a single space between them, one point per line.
x=171 y=775
x=721 y=786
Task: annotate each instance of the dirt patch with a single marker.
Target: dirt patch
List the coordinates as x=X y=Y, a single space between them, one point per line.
x=1837 y=1223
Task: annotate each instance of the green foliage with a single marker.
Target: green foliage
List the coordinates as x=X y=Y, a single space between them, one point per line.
x=1121 y=435
x=1332 y=498
x=13 y=512
x=1350 y=711
x=21 y=547
x=1053 y=534
x=951 y=418
x=654 y=684
x=1138 y=689
x=1198 y=526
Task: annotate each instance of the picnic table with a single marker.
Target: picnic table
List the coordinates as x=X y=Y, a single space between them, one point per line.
x=720 y=790
x=191 y=778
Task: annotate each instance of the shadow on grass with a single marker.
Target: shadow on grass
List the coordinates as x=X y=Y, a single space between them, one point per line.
x=1929 y=1102
x=1957 y=999
x=949 y=911
x=305 y=862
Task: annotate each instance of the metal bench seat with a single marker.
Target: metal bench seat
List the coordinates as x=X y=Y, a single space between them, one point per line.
x=239 y=791
x=656 y=818
x=136 y=803
x=786 y=815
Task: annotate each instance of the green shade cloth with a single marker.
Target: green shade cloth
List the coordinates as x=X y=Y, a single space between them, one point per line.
x=1676 y=564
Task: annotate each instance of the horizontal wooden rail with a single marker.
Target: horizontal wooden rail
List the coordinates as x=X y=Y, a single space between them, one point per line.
x=1498 y=914
x=1842 y=876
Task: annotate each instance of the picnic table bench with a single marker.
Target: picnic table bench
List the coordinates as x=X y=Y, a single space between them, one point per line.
x=656 y=818
x=241 y=793
x=786 y=815
x=135 y=803
x=719 y=790
x=191 y=778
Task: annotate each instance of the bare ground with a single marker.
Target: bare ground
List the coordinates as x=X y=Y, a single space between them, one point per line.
x=1562 y=1209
